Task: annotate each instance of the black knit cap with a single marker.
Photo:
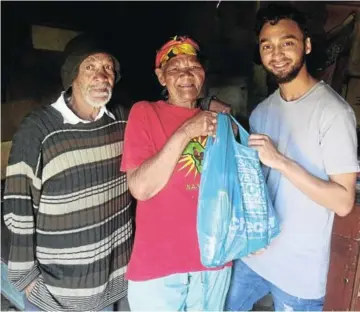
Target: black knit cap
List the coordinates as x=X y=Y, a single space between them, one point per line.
x=76 y=51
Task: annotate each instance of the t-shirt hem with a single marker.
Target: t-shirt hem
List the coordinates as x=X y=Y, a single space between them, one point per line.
x=306 y=296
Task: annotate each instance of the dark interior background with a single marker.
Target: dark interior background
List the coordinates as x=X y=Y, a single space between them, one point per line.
x=135 y=30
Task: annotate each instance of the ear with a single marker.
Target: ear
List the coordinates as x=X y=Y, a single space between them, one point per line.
x=160 y=75
x=308 y=46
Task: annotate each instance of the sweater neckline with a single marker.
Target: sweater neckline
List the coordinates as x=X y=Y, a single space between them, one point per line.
x=104 y=120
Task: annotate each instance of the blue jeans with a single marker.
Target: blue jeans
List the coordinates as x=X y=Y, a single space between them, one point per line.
x=247 y=287
x=198 y=291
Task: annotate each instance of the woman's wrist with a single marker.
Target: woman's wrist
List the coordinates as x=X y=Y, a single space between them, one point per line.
x=204 y=103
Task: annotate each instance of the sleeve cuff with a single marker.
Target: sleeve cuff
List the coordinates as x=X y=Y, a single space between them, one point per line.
x=25 y=281
x=349 y=169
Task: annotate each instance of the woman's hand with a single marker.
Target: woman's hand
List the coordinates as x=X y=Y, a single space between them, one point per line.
x=202 y=124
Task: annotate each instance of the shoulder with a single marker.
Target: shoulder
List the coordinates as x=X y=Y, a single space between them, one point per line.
x=28 y=140
x=142 y=105
x=38 y=123
x=331 y=99
x=262 y=107
x=332 y=104
x=141 y=109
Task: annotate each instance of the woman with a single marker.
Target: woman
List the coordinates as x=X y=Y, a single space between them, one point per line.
x=163 y=153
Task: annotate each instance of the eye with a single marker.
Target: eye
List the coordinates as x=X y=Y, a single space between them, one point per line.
x=266 y=47
x=109 y=67
x=89 y=67
x=288 y=44
x=197 y=67
x=172 y=69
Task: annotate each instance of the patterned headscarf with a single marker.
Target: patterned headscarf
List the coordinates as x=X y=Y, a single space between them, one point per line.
x=176 y=46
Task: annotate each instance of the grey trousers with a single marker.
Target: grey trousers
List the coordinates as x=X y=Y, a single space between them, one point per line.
x=121 y=305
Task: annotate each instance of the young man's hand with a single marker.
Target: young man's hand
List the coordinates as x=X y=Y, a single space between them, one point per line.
x=268 y=153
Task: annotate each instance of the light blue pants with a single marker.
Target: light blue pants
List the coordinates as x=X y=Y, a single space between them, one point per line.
x=200 y=291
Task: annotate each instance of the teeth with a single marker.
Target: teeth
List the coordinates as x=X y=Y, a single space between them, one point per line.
x=100 y=94
x=279 y=65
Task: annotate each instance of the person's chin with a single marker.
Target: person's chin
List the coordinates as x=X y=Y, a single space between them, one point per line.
x=278 y=77
x=281 y=72
x=189 y=94
x=98 y=102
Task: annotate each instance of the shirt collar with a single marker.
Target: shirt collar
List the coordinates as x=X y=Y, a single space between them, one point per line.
x=70 y=117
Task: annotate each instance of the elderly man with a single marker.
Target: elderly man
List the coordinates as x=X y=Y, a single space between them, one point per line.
x=66 y=203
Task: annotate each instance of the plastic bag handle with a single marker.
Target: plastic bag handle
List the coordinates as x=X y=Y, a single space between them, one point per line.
x=244 y=135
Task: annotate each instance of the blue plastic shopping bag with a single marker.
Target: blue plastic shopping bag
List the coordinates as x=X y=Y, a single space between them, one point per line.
x=235 y=214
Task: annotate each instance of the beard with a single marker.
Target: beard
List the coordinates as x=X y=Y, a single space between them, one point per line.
x=104 y=93
x=281 y=78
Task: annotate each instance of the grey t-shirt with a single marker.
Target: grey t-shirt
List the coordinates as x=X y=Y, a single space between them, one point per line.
x=318 y=131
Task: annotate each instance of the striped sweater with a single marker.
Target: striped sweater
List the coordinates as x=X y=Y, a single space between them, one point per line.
x=67 y=206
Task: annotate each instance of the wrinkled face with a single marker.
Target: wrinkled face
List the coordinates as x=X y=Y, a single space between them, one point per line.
x=283 y=49
x=95 y=80
x=183 y=76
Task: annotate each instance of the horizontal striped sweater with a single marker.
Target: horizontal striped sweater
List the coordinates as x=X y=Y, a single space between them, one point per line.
x=68 y=208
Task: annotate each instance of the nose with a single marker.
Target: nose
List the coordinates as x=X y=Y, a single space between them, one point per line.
x=278 y=53
x=101 y=75
x=186 y=72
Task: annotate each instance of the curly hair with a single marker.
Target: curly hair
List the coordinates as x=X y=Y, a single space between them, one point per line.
x=276 y=12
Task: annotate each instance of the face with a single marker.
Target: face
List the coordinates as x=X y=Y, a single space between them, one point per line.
x=183 y=76
x=95 y=80
x=283 y=49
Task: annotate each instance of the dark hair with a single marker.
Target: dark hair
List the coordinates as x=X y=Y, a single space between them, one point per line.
x=276 y=12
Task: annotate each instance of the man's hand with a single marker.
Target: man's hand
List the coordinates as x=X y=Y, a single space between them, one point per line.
x=219 y=107
x=268 y=153
x=30 y=287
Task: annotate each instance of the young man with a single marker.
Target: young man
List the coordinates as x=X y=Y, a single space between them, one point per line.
x=305 y=134
x=66 y=203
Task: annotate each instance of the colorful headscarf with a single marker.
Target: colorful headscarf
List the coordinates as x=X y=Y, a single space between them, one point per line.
x=176 y=46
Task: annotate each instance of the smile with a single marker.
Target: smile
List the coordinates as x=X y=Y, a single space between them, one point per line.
x=186 y=86
x=100 y=93
x=280 y=65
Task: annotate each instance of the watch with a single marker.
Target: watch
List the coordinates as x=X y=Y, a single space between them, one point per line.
x=204 y=103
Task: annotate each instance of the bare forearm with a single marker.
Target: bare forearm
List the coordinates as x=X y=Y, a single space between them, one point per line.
x=151 y=177
x=329 y=194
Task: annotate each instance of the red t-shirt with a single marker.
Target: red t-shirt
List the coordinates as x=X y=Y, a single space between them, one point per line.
x=166 y=238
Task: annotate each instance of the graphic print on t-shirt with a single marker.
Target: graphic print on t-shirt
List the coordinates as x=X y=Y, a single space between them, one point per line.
x=193 y=156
